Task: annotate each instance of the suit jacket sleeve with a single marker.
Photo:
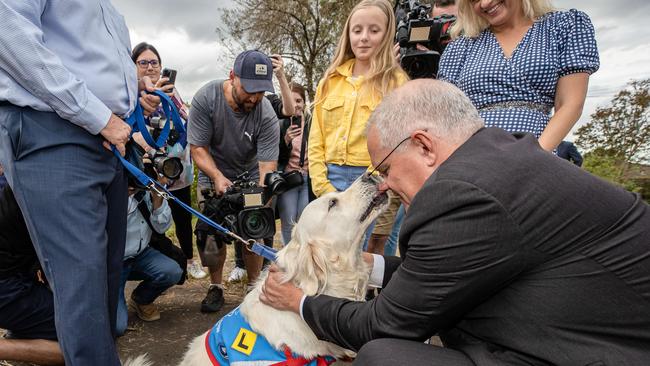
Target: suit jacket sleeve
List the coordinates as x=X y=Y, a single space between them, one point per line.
x=461 y=248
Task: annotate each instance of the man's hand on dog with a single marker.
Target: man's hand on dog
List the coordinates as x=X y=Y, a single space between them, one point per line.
x=279 y=295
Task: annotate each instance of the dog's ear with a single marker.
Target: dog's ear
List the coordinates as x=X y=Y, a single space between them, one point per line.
x=306 y=264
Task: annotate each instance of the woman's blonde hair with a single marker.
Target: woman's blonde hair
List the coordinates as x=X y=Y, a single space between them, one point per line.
x=382 y=76
x=469 y=24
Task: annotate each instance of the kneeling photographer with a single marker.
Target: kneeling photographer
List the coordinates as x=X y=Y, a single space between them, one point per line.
x=232 y=129
x=149 y=256
x=422 y=35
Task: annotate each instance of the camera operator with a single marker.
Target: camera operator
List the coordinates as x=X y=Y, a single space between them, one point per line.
x=284 y=108
x=444 y=7
x=146 y=212
x=26 y=304
x=420 y=59
x=232 y=129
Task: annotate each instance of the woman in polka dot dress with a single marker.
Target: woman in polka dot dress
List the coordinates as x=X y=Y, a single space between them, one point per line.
x=517 y=60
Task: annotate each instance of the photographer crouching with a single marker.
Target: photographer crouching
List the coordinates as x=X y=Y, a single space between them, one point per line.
x=148 y=217
x=232 y=129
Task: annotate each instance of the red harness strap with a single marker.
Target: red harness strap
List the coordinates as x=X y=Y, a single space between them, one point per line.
x=301 y=361
x=209 y=350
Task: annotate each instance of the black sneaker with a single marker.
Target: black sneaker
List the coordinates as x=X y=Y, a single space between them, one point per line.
x=213 y=300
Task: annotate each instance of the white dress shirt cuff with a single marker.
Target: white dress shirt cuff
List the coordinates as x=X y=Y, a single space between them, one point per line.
x=377 y=275
x=94 y=117
x=302 y=302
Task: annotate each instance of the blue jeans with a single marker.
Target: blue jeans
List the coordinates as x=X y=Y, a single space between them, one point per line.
x=342 y=177
x=290 y=206
x=157 y=273
x=72 y=193
x=391 y=243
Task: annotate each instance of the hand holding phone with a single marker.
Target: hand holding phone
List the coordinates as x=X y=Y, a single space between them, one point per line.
x=169 y=74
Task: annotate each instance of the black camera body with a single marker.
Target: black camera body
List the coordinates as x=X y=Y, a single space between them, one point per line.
x=415 y=25
x=243 y=209
x=158 y=163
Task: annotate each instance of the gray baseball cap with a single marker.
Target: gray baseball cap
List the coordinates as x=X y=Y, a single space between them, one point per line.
x=255 y=71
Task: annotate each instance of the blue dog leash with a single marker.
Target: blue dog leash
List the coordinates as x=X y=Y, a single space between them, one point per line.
x=137 y=123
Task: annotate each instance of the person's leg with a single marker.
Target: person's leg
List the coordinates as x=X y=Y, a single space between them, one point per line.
x=26 y=308
x=183 y=220
x=157 y=272
x=392 y=243
x=38 y=351
x=239 y=257
x=303 y=198
x=383 y=226
x=287 y=206
x=390 y=352
x=253 y=264
x=61 y=177
x=122 y=310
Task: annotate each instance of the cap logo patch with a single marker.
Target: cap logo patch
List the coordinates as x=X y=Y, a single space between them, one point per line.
x=260 y=69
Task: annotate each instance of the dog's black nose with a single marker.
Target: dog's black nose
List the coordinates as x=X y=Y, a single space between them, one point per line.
x=371 y=178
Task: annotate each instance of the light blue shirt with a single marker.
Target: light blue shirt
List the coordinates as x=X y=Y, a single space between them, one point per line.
x=138 y=232
x=68 y=56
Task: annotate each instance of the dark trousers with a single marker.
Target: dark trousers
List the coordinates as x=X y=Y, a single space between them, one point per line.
x=391 y=352
x=26 y=308
x=72 y=193
x=183 y=220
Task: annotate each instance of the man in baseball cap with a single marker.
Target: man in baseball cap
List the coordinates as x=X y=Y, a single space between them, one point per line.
x=232 y=129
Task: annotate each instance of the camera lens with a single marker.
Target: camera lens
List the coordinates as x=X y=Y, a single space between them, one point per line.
x=257 y=223
x=170 y=167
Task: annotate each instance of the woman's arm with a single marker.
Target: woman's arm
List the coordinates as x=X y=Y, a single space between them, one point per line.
x=570 y=97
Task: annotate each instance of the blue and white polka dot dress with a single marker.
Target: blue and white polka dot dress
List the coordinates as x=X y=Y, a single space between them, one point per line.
x=517 y=93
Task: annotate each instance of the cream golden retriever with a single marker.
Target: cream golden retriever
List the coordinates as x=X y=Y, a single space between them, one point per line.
x=323 y=257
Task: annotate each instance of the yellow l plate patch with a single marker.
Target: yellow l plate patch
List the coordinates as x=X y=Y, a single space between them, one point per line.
x=244 y=342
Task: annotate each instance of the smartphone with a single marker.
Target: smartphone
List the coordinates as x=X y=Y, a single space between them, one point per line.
x=170 y=74
x=295 y=121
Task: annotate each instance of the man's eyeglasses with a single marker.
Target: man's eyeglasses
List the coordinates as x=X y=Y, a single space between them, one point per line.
x=145 y=63
x=384 y=172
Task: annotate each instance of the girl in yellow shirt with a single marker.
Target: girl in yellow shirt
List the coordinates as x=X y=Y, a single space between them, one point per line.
x=363 y=71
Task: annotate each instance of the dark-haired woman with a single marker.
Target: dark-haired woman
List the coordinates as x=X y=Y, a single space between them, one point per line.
x=148 y=62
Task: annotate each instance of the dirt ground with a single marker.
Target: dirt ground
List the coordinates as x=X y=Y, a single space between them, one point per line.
x=181 y=321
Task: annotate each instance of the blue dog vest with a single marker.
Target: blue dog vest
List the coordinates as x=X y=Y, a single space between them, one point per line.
x=232 y=342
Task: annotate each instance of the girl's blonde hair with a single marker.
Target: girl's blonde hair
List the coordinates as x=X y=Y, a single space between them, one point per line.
x=469 y=24
x=382 y=76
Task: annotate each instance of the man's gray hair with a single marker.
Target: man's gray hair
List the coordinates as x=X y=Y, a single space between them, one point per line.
x=436 y=106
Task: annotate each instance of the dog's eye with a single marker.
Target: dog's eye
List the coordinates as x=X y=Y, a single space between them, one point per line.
x=332 y=204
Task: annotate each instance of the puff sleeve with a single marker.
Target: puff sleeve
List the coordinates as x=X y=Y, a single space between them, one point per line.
x=577 y=47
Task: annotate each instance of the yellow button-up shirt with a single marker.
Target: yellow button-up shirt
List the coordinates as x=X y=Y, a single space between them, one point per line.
x=338 y=129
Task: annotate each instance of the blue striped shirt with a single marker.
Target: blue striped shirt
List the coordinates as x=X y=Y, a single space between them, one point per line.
x=71 y=57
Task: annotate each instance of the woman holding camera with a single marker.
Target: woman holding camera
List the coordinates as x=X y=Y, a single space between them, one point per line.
x=148 y=62
x=519 y=59
x=293 y=157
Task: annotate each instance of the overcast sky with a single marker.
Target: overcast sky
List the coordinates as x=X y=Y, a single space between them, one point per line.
x=184 y=34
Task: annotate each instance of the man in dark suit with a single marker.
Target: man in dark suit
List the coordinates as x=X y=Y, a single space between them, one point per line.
x=510 y=255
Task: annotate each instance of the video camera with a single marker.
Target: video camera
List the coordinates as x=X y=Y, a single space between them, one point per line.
x=243 y=209
x=415 y=25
